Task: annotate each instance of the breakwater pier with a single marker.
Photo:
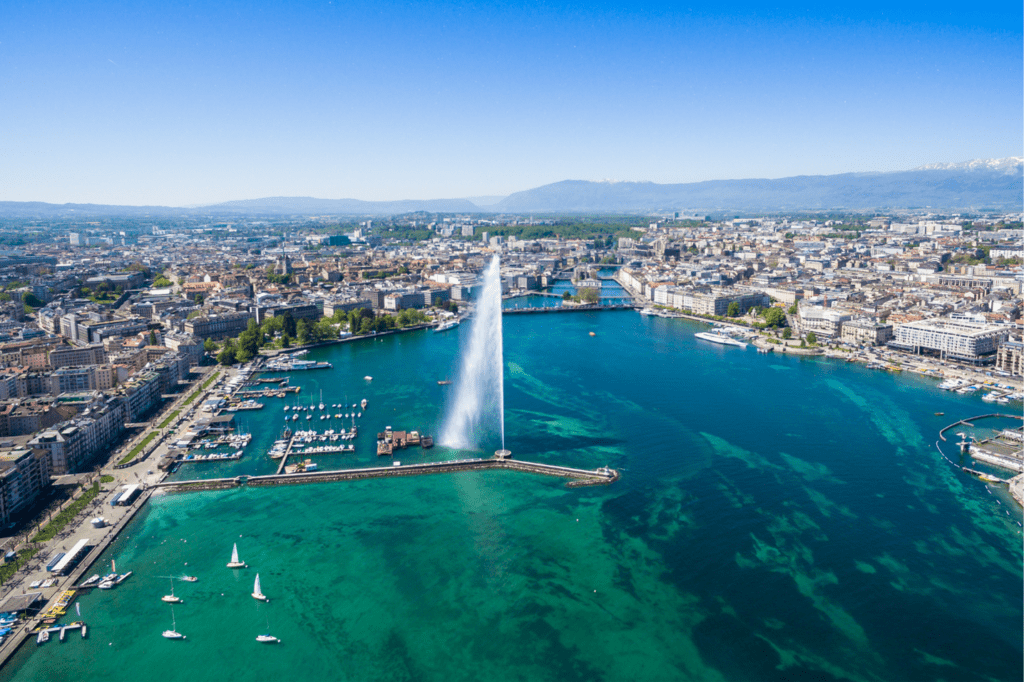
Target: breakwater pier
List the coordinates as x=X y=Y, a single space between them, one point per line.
x=577 y=477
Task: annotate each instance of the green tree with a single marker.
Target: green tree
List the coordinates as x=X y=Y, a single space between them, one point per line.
x=227 y=354
x=193 y=314
x=812 y=338
x=302 y=334
x=31 y=299
x=774 y=317
x=787 y=333
x=566 y=296
x=152 y=338
x=589 y=295
x=199 y=299
x=323 y=330
x=288 y=324
x=733 y=310
x=209 y=346
x=248 y=344
x=273 y=325
x=162 y=282
x=793 y=309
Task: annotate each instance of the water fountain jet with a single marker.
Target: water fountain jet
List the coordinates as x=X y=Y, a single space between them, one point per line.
x=479 y=402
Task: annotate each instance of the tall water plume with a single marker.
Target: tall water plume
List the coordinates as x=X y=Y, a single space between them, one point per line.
x=479 y=405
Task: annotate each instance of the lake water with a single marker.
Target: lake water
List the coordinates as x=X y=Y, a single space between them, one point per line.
x=778 y=518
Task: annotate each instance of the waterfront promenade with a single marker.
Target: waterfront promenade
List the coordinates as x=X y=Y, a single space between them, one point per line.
x=176 y=419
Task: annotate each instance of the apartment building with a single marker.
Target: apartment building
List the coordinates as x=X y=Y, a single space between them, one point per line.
x=962 y=340
x=24 y=476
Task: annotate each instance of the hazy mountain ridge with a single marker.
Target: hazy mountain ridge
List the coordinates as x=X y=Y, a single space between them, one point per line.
x=979 y=184
x=996 y=184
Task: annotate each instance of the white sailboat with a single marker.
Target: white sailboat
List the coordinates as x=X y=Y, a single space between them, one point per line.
x=173 y=632
x=267 y=638
x=256 y=593
x=170 y=598
x=235 y=563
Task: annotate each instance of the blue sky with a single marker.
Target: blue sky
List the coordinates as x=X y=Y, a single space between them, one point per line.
x=189 y=103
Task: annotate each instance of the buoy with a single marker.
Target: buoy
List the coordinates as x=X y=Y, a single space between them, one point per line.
x=593 y=334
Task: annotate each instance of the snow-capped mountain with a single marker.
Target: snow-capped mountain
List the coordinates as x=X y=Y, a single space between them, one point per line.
x=1011 y=164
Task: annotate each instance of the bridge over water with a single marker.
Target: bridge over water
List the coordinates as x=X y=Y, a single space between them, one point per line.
x=567 y=309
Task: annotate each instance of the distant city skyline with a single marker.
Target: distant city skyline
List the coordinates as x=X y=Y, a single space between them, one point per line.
x=192 y=104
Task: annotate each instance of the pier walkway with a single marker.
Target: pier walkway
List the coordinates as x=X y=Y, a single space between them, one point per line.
x=579 y=477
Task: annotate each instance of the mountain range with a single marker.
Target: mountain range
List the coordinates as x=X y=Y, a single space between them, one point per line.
x=994 y=184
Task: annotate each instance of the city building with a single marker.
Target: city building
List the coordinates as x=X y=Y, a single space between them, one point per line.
x=970 y=342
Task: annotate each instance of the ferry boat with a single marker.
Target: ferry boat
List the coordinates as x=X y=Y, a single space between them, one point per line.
x=717 y=336
x=446 y=326
x=648 y=311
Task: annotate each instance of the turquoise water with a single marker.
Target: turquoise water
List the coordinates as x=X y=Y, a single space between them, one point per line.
x=777 y=518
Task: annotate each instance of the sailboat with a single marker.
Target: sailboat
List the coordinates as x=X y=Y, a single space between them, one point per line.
x=256 y=593
x=173 y=632
x=267 y=638
x=235 y=563
x=321 y=400
x=170 y=598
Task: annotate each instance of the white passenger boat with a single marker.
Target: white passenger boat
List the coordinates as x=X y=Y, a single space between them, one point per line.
x=267 y=639
x=446 y=326
x=716 y=336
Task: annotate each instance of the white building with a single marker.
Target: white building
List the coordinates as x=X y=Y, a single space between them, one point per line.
x=956 y=339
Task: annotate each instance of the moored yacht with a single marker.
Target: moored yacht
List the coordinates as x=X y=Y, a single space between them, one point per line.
x=718 y=336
